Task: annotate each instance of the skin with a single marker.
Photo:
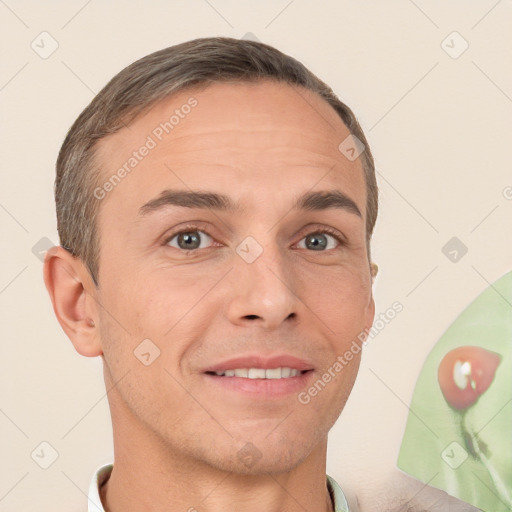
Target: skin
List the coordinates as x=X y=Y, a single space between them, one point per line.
x=176 y=439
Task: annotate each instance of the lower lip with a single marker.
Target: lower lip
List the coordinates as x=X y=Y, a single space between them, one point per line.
x=262 y=388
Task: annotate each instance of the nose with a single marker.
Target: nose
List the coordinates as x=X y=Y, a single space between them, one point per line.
x=263 y=291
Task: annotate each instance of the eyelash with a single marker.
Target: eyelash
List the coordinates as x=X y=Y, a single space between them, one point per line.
x=195 y=227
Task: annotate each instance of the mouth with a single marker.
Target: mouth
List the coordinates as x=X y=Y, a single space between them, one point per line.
x=259 y=376
x=260 y=373
x=259 y=383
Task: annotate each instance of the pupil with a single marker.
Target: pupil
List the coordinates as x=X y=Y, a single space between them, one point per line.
x=190 y=240
x=316 y=242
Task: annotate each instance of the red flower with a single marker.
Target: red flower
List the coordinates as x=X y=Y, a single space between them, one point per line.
x=465 y=373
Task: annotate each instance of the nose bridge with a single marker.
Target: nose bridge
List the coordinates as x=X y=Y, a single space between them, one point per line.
x=264 y=283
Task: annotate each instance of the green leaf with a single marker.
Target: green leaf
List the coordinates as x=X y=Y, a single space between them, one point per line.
x=435 y=447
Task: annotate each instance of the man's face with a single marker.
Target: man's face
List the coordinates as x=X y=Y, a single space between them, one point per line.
x=290 y=289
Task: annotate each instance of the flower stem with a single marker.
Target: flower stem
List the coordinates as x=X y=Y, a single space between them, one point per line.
x=479 y=450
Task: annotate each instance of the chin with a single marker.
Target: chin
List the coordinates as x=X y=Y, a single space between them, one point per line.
x=262 y=454
x=274 y=463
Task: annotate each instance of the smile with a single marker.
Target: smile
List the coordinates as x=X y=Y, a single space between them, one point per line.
x=260 y=373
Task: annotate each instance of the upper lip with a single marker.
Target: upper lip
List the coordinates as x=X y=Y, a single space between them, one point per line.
x=259 y=361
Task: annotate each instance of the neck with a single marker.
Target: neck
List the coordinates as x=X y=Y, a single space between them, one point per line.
x=115 y=497
x=149 y=475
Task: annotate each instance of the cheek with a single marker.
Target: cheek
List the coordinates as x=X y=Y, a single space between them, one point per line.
x=168 y=308
x=142 y=305
x=342 y=298
x=139 y=367
x=328 y=402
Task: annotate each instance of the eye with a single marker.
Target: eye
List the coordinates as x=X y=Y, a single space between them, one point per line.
x=321 y=240
x=190 y=239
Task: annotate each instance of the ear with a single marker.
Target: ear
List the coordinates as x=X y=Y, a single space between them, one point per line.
x=370 y=313
x=374 y=270
x=73 y=295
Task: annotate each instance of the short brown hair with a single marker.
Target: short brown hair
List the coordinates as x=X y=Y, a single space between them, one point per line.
x=149 y=80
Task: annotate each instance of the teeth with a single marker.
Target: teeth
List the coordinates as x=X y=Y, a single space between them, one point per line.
x=256 y=373
x=260 y=373
x=274 y=373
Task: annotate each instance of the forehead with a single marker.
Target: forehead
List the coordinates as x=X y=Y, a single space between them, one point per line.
x=240 y=136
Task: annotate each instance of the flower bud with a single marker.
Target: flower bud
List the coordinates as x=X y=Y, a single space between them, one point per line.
x=465 y=373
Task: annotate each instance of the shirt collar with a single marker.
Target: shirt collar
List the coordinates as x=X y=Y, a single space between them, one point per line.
x=103 y=474
x=340 y=502
x=99 y=478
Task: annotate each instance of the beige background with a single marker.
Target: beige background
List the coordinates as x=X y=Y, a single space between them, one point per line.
x=440 y=132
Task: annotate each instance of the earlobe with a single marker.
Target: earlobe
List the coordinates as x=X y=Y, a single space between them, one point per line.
x=72 y=294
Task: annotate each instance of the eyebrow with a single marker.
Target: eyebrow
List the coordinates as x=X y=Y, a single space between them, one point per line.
x=312 y=201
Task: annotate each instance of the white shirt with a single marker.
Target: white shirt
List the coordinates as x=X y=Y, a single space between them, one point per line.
x=103 y=474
